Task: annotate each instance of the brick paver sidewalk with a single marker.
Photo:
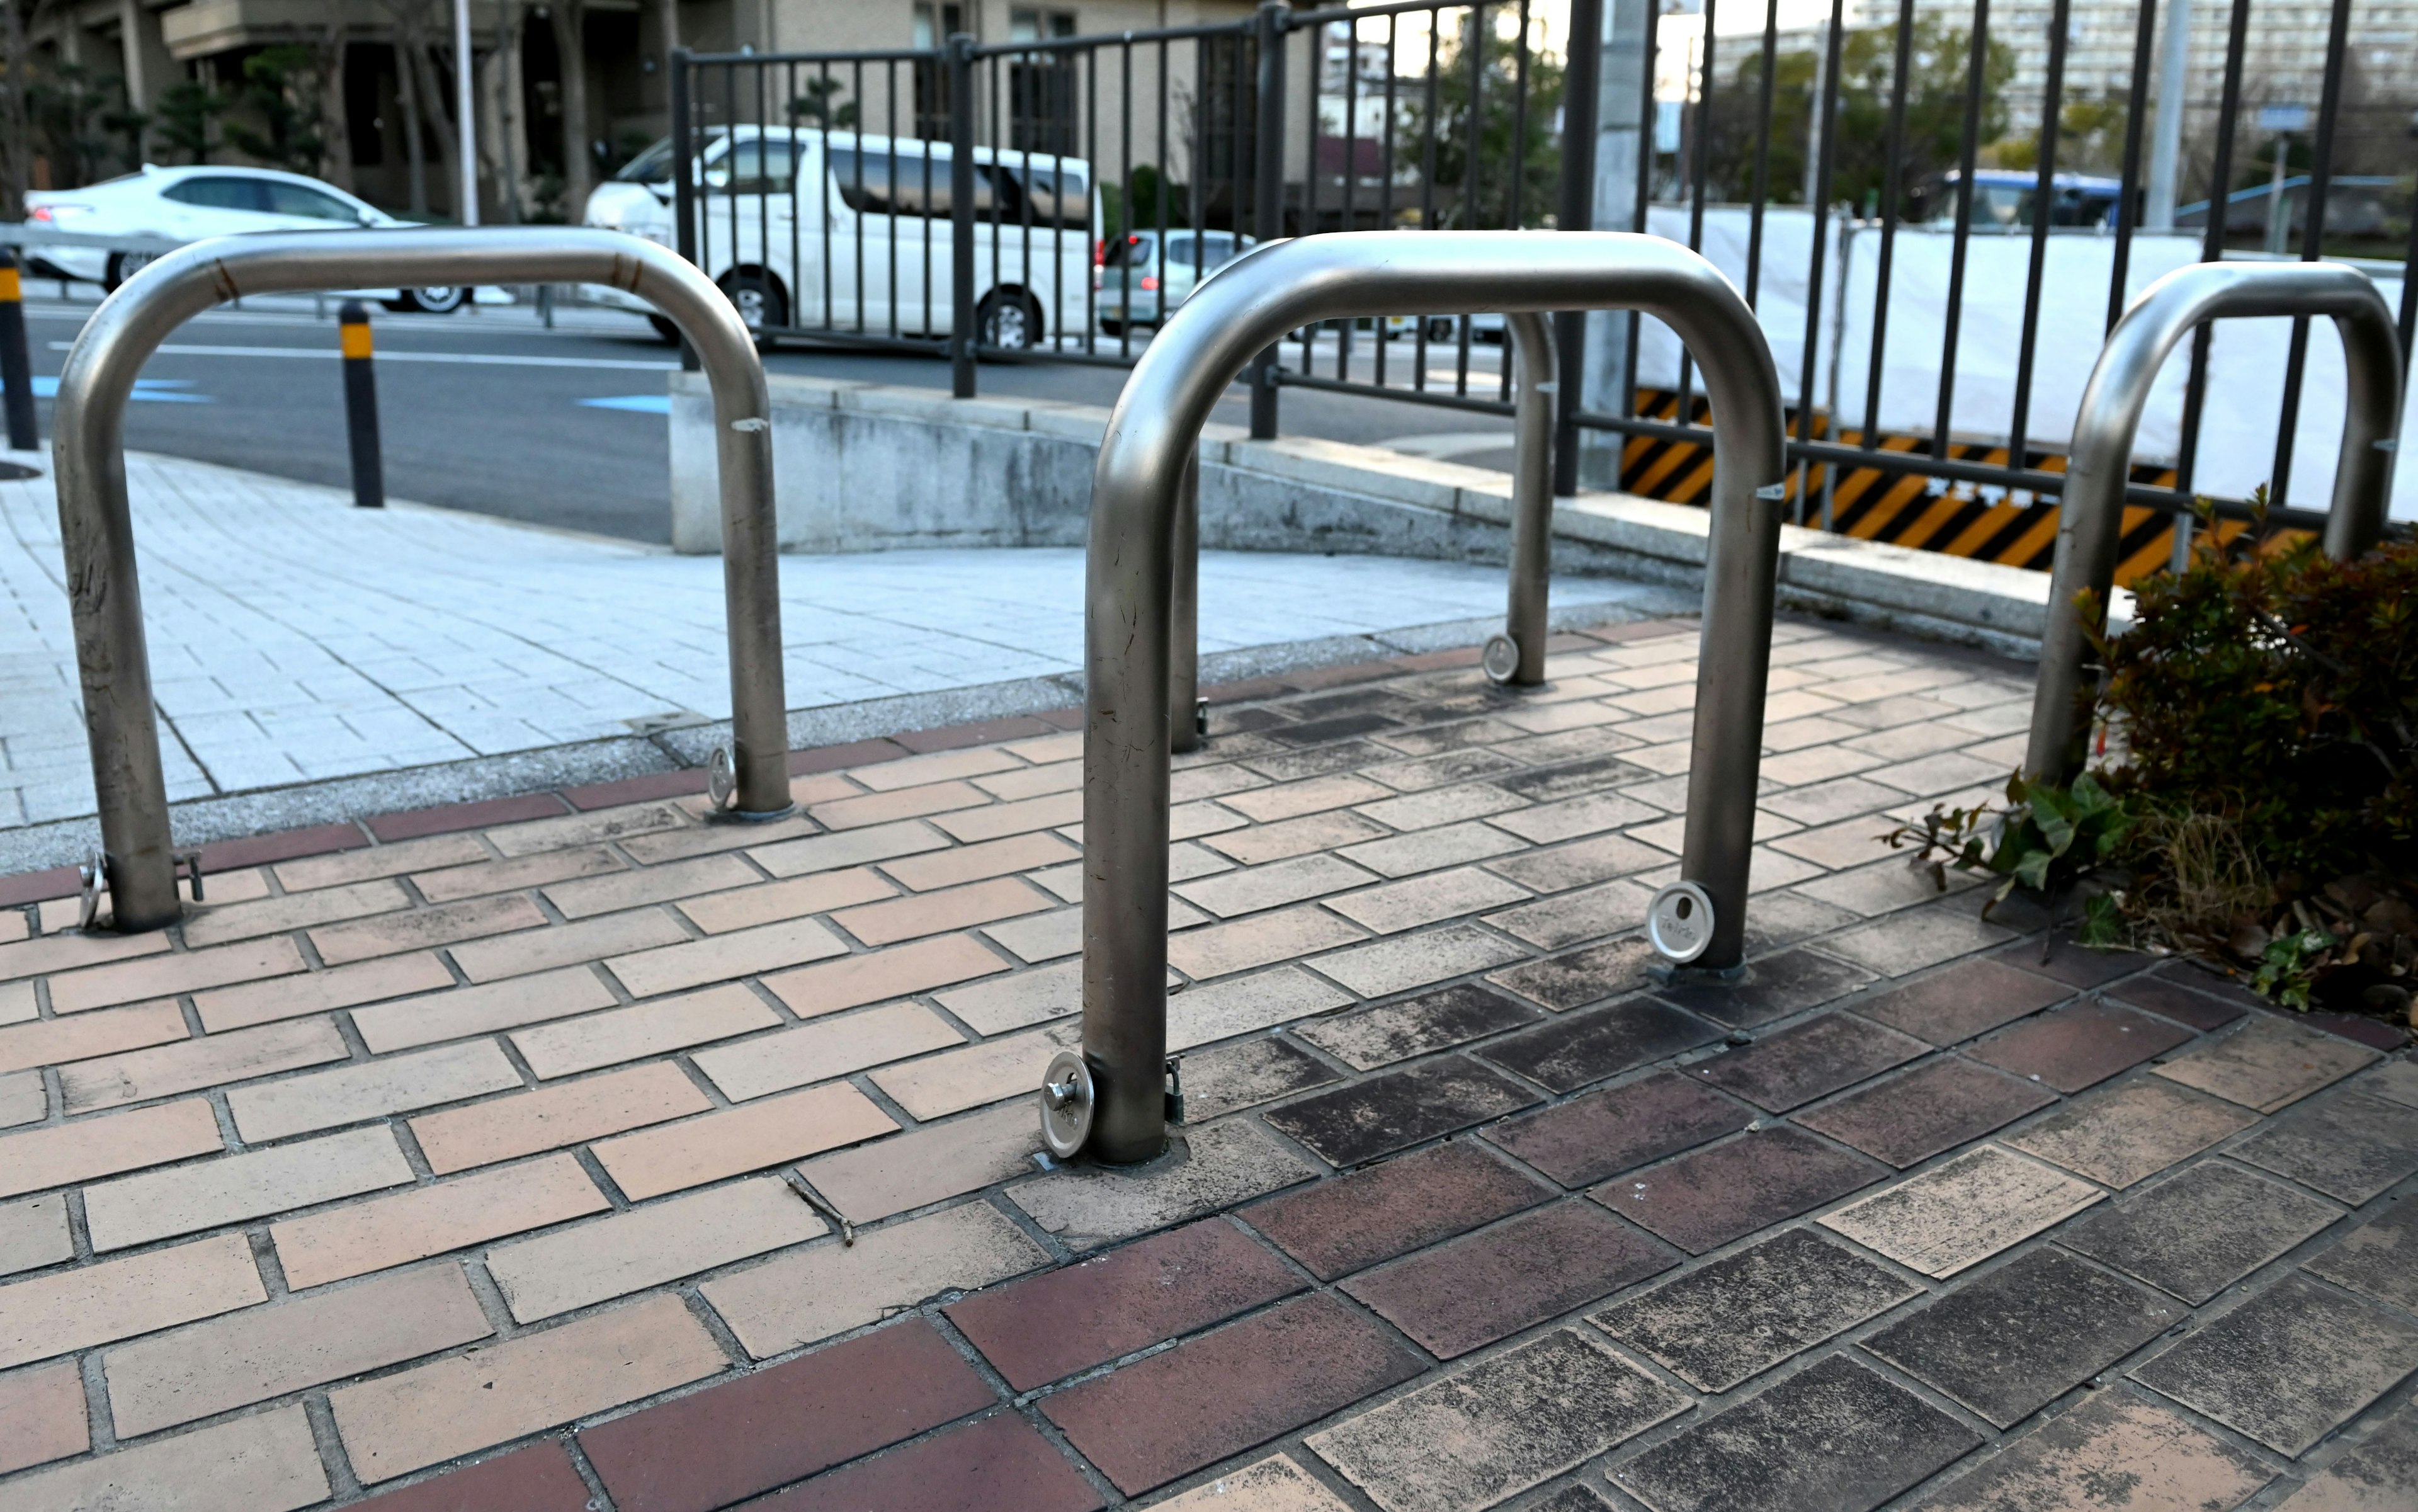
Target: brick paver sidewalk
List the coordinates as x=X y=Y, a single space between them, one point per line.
x=505 y=1165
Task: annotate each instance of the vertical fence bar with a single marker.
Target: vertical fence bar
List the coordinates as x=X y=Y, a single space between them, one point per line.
x=961 y=215
x=2313 y=231
x=1762 y=149
x=1511 y=214
x=1961 y=236
x=684 y=177
x=1316 y=38
x=1892 y=166
x=1582 y=78
x=1826 y=101
x=1427 y=180
x=2228 y=109
x=1702 y=143
x=1644 y=198
x=1351 y=213
x=2044 y=212
x=2137 y=105
x=1477 y=50
x=1267 y=212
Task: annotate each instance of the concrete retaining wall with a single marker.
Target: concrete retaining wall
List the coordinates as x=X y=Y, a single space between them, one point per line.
x=868 y=468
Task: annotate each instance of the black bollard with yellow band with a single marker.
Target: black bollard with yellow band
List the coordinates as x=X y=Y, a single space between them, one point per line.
x=16 y=369
x=361 y=406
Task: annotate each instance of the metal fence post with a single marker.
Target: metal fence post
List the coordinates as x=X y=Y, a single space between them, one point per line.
x=1112 y=1098
x=1582 y=90
x=1267 y=190
x=96 y=531
x=2092 y=509
x=962 y=334
x=683 y=176
x=361 y=405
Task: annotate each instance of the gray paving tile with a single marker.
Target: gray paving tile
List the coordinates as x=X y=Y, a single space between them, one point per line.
x=2380 y=1259
x=1394 y=1110
x=1703 y=1200
x=2349 y=1146
x=1745 y=1313
x=1601 y=1043
x=2289 y=1365
x=1605 y=1133
x=1835 y=1436
x=1479 y=1438
x=1960 y=1214
x=1235 y=1077
x=1219 y=1166
x=1936 y=1105
x=2009 y=1342
x=2130 y=1132
x=1811 y=1059
x=1371 y=1037
x=2201 y=1231
x=1781 y=984
x=2379 y=1476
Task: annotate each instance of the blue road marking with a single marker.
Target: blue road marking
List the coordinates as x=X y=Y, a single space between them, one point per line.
x=147 y=391
x=634 y=403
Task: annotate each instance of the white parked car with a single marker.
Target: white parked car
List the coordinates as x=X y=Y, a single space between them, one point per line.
x=849 y=234
x=188 y=203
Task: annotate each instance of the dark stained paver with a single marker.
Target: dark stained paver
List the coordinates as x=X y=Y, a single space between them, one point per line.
x=2112 y=1451
x=1438 y=1020
x=1049 y=1326
x=2381 y=1475
x=2201 y=1231
x=1970 y=997
x=1235 y=1076
x=2349 y=1146
x=1371 y=1119
x=1338 y=1226
x=1702 y=1201
x=2009 y=1342
x=1473 y=1439
x=540 y=1478
x=752 y=1434
x=1223 y=1392
x=2077 y=966
x=2290 y=1365
x=1561 y=982
x=1834 y=1436
x=1456 y=1297
x=2170 y=998
x=1000 y=1464
x=2082 y=1046
x=2379 y=1260
x=1741 y=1315
x=2130 y=1132
x=1812 y=1060
x=1790 y=982
x=1571 y=1052
x=1605 y=1133
x=1907 y=1120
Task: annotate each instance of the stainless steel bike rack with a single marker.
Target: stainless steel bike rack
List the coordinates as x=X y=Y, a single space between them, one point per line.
x=1111 y=1099
x=751 y=781
x=2101 y=460
x=1517 y=656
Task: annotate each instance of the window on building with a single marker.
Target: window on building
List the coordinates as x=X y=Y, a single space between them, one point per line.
x=1041 y=87
x=934 y=25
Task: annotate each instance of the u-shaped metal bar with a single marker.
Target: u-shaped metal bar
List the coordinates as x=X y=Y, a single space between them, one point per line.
x=1532 y=539
x=1131 y=580
x=2101 y=461
x=96 y=531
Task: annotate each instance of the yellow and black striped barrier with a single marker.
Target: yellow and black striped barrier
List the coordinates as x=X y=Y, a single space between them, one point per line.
x=361 y=405
x=16 y=367
x=1906 y=507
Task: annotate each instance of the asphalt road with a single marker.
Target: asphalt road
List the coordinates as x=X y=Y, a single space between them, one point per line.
x=493 y=413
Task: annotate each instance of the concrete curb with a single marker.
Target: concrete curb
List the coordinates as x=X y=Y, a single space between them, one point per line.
x=869 y=467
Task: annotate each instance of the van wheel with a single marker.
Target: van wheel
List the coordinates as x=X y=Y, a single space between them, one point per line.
x=664 y=329
x=1008 y=319
x=758 y=297
x=432 y=301
x=124 y=265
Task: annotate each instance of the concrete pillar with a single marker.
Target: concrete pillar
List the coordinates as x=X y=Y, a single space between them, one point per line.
x=2166 y=138
x=1628 y=78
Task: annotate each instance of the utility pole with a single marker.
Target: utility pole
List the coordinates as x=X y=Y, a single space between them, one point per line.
x=2166 y=137
x=1623 y=92
x=465 y=114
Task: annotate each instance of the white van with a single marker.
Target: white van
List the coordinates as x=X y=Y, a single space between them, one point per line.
x=833 y=231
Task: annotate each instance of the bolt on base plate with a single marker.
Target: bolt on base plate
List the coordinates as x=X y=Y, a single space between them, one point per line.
x=1067 y=1098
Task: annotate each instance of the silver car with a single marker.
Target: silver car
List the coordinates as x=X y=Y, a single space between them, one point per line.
x=1139 y=279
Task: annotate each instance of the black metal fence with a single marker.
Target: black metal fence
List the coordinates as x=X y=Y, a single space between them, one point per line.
x=1054 y=197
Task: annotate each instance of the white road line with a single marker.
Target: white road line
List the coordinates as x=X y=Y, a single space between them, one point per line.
x=467 y=358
